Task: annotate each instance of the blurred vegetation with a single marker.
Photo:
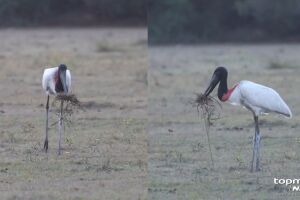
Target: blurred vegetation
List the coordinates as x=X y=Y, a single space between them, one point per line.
x=72 y=12
x=189 y=21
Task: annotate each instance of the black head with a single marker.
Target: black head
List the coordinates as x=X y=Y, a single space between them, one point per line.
x=221 y=71
x=62 y=67
x=220 y=74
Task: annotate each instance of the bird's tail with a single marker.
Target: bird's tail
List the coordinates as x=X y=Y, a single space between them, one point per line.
x=288 y=112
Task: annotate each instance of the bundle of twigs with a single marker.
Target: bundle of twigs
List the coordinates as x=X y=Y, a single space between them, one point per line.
x=71 y=104
x=69 y=98
x=209 y=108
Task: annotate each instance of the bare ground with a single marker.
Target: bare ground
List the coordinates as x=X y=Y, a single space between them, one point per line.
x=104 y=150
x=179 y=163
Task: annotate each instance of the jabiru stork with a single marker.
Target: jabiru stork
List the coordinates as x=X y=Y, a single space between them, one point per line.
x=56 y=80
x=257 y=98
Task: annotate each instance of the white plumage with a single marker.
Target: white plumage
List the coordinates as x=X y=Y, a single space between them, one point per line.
x=49 y=77
x=259 y=99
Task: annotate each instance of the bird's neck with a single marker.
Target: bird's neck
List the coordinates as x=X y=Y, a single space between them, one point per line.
x=223 y=89
x=58 y=83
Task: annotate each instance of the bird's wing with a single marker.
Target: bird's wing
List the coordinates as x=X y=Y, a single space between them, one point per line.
x=48 y=82
x=44 y=81
x=263 y=99
x=68 y=79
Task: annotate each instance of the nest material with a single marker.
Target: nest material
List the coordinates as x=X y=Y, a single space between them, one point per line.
x=69 y=98
x=70 y=104
x=210 y=112
x=209 y=107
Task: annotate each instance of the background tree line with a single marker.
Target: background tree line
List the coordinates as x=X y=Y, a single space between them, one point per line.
x=169 y=21
x=72 y=12
x=189 y=21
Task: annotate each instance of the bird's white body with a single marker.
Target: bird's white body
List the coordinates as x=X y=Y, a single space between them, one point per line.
x=259 y=99
x=56 y=80
x=49 y=78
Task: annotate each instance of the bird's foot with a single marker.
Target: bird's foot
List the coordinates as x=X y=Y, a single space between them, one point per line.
x=258 y=169
x=252 y=168
x=46 y=146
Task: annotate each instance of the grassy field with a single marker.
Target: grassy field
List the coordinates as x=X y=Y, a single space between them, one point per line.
x=179 y=163
x=105 y=149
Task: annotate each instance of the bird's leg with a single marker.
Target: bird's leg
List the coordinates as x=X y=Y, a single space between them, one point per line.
x=257 y=133
x=255 y=145
x=47 y=117
x=254 y=154
x=59 y=127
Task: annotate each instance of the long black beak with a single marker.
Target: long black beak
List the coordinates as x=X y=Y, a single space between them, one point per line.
x=63 y=81
x=212 y=84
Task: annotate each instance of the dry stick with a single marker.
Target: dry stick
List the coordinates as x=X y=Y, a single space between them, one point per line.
x=71 y=103
x=208 y=106
x=60 y=125
x=206 y=118
x=206 y=125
